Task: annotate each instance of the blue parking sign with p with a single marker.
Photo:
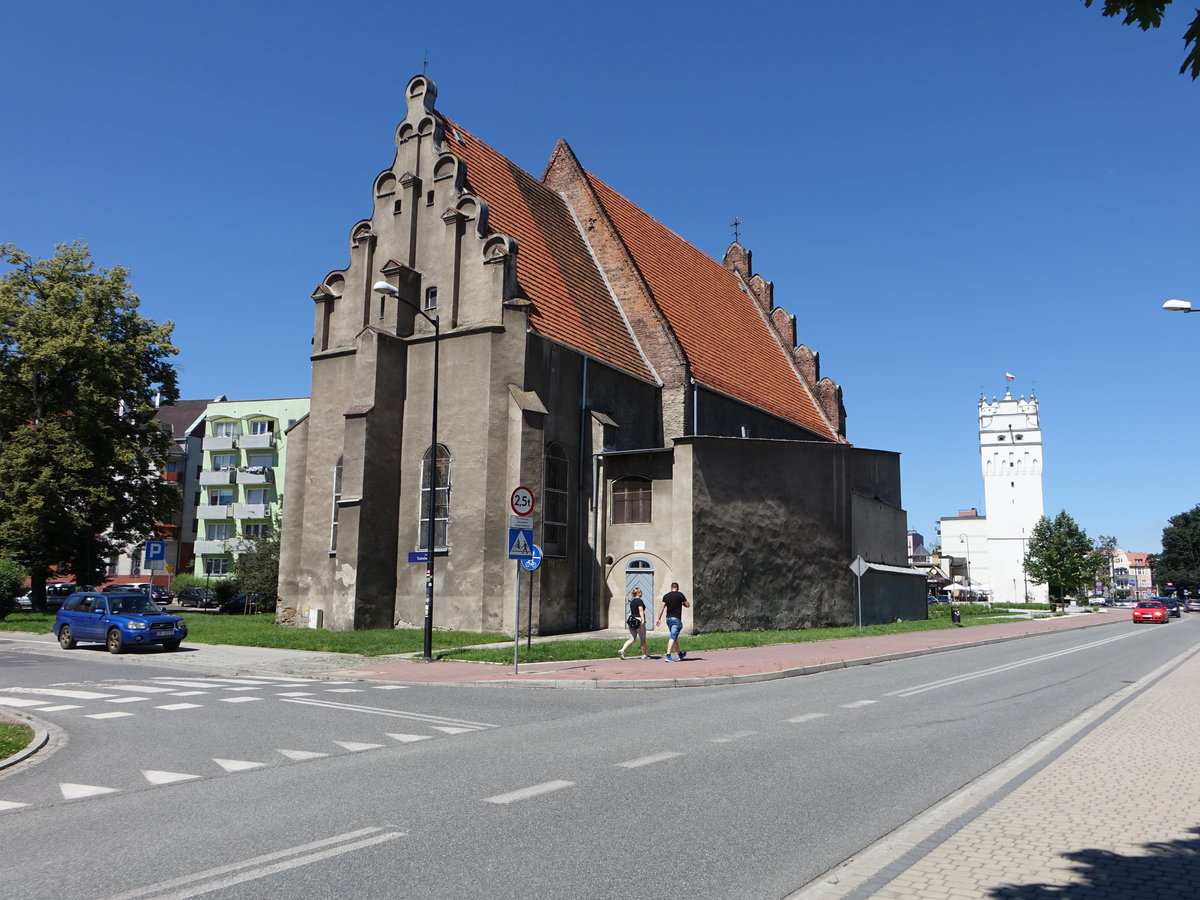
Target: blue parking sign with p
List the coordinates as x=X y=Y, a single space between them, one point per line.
x=155 y=551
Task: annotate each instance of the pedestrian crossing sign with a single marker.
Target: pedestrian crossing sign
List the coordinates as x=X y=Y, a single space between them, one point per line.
x=520 y=543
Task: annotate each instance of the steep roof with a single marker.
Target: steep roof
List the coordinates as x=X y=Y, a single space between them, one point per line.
x=722 y=330
x=181 y=415
x=555 y=270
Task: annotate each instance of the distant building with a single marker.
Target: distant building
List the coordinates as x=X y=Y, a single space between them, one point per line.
x=240 y=476
x=994 y=546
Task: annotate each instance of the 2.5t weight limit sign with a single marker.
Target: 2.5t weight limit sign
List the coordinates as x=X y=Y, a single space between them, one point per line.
x=522 y=501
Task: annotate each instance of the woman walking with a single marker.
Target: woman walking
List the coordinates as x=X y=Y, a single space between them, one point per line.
x=636 y=620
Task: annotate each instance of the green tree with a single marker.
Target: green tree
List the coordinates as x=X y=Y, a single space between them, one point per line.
x=80 y=448
x=1107 y=545
x=1060 y=554
x=1179 y=562
x=1147 y=14
x=256 y=568
x=12 y=579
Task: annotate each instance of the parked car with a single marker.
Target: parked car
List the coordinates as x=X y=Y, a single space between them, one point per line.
x=118 y=588
x=160 y=595
x=59 y=591
x=1192 y=606
x=240 y=604
x=1150 y=611
x=25 y=601
x=198 y=597
x=118 y=620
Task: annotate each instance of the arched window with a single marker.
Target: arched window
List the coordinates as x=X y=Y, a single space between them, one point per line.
x=555 y=493
x=337 y=495
x=631 y=501
x=439 y=482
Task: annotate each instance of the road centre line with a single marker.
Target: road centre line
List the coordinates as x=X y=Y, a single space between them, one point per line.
x=648 y=760
x=858 y=704
x=261 y=866
x=525 y=793
x=807 y=717
x=398 y=714
x=736 y=736
x=995 y=670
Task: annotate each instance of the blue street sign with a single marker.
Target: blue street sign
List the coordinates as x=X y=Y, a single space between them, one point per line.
x=520 y=543
x=156 y=551
x=534 y=561
x=418 y=556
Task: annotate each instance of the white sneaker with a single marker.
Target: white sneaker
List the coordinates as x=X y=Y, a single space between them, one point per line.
x=644 y=656
x=621 y=653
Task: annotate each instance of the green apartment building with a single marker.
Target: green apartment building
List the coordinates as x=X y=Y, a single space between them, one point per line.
x=241 y=476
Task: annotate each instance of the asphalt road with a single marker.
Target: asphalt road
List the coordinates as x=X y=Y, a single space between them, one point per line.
x=173 y=785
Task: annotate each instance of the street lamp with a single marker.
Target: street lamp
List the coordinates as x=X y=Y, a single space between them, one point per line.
x=1184 y=306
x=382 y=287
x=967 y=542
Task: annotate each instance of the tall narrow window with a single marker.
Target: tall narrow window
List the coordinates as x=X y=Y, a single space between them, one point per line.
x=555 y=494
x=631 y=501
x=437 y=479
x=431 y=298
x=337 y=495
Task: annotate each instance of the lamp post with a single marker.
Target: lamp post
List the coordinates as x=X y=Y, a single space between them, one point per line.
x=1183 y=306
x=382 y=287
x=967 y=542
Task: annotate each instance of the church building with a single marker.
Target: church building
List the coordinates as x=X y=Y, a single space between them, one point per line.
x=654 y=401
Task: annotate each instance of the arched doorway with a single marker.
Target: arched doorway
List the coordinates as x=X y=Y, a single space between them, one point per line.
x=639 y=573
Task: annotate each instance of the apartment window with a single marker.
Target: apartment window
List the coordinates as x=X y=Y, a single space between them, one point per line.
x=216 y=565
x=224 y=461
x=337 y=495
x=262 y=426
x=257 y=530
x=226 y=428
x=631 y=501
x=221 y=497
x=257 y=495
x=555 y=496
x=218 y=531
x=431 y=298
x=435 y=478
x=266 y=460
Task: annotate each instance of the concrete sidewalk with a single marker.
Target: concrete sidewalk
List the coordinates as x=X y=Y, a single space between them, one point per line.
x=1104 y=808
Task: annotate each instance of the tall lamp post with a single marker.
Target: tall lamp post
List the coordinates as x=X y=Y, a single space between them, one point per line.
x=967 y=542
x=382 y=287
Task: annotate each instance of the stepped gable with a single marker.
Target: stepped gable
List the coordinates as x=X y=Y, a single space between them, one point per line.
x=555 y=270
x=727 y=340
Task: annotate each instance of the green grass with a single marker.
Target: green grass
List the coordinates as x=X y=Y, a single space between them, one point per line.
x=261 y=631
x=14 y=737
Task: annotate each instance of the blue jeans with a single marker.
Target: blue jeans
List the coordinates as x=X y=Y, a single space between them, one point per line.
x=675 y=626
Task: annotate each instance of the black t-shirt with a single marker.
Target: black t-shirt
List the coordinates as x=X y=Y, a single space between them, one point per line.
x=637 y=607
x=673 y=601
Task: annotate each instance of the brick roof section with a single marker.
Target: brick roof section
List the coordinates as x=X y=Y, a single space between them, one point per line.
x=728 y=343
x=571 y=303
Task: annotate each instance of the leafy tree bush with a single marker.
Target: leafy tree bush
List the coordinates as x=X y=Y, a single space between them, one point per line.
x=12 y=585
x=1147 y=14
x=1061 y=555
x=1179 y=562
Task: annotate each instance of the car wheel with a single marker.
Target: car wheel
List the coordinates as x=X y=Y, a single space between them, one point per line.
x=115 y=644
x=66 y=640
x=171 y=645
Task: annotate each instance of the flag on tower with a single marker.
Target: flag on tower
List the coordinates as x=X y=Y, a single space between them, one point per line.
x=1009 y=376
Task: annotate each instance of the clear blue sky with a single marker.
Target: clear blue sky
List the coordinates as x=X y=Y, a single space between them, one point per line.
x=941 y=191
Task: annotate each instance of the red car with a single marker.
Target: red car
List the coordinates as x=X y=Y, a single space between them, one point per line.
x=1150 y=611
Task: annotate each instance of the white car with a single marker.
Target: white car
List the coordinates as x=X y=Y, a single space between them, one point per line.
x=25 y=601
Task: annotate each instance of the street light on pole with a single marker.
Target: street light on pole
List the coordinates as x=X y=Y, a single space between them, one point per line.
x=382 y=287
x=967 y=542
x=1183 y=306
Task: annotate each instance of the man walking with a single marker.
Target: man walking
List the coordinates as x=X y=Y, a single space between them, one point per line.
x=673 y=602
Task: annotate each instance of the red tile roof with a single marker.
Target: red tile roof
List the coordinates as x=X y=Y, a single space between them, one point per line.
x=721 y=328
x=555 y=270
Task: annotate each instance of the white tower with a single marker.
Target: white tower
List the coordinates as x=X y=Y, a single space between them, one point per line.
x=1010 y=449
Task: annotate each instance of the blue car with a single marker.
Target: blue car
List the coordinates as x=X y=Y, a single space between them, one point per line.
x=119 y=620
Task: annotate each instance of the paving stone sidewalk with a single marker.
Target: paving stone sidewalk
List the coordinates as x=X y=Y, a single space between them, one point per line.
x=1112 y=813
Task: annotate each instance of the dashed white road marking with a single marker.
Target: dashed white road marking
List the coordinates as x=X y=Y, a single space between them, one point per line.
x=72 y=791
x=60 y=708
x=127 y=700
x=407 y=738
x=736 y=736
x=807 y=717
x=175 y=706
x=526 y=793
x=108 y=715
x=189 y=694
x=451 y=729
x=59 y=692
x=648 y=760
x=142 y=688
x=294 y=694
x=155 y=776
x=301 y=754
x=858 y=704
x=20 y=702
x=355 y=747
x=237 y=765
x=254 y=688
x=344 y=691
x=237 y=699
x=10 y=804
x=442 y=723
x=389 y=687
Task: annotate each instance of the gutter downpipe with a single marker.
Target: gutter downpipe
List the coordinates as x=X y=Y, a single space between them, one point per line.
x=695 y=408
x=582 y=543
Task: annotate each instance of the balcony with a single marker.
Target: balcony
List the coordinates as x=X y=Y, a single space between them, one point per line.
x=166 y=531
x=210 y=546
x=256 y=475
x=216 y=476
x=175 y=477
x=213 y=512
x=256 y=441
x=218 y=442
x=251 y=510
